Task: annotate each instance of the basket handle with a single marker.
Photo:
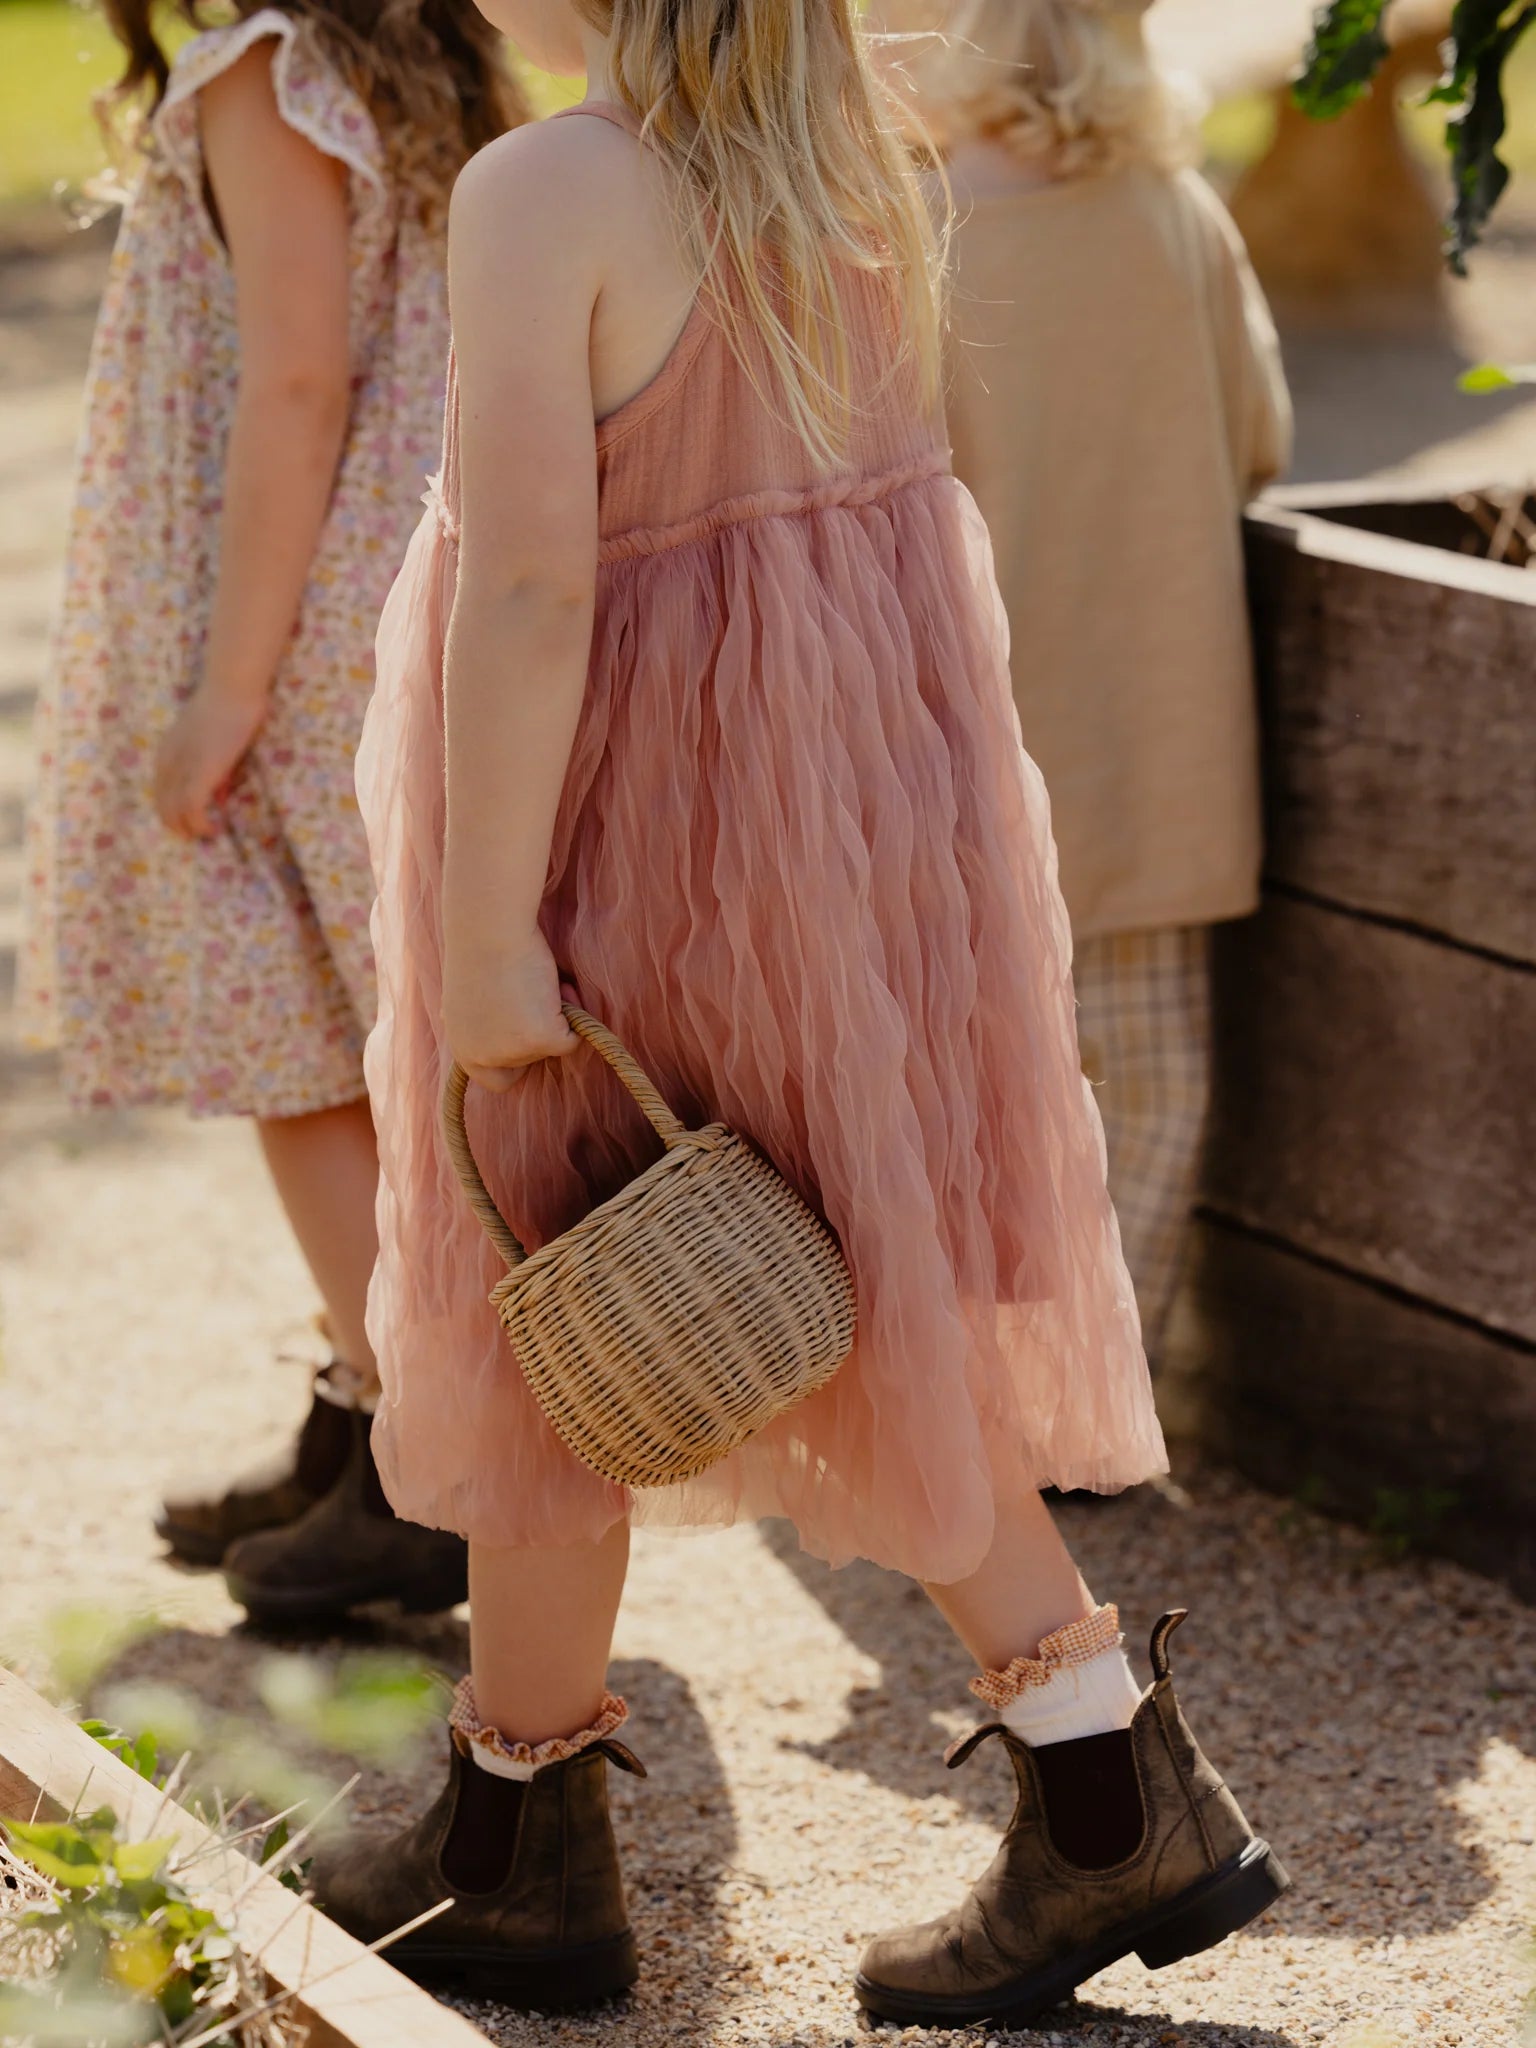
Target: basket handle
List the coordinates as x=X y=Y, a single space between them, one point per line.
x=669 y=1128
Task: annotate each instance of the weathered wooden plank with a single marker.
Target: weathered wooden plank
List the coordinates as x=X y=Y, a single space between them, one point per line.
x=1312 y=1382
x=348 y=1997
x=1375 y=1102
x=1399 y=726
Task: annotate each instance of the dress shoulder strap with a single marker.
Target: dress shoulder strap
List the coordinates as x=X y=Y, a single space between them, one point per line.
x=443 y=489
x=603 y=110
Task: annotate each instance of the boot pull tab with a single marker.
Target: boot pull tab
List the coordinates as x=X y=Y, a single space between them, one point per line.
x=622 y=1755
x=964 y=1747
x=1161 y=1668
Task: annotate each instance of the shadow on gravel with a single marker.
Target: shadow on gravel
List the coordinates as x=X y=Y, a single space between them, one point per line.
x=1098 y=2026
x=1347 y=1700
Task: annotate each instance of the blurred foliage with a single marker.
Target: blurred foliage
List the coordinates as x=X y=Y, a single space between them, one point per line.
x=55 y=55
x=370 y=1706
x=1408 y=1519
x=140 y=1753
x=102 y=1947
x=277 y=1756
x=78 y=1642
x=1349 y=44
x=1486 y=377
x=113 y=1949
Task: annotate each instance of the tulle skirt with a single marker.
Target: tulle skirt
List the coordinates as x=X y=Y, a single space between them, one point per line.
x=805 y=870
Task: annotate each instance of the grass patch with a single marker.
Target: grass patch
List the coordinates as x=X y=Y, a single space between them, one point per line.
x=54 y=55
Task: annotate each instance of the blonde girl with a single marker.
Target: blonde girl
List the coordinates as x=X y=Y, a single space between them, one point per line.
x=264 y=400
x=1116 y=397
x=693 y=697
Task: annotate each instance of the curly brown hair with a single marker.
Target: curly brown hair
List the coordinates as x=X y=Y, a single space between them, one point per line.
x=433 y=73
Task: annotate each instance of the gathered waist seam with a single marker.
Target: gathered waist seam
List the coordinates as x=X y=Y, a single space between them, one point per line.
x=840 y=494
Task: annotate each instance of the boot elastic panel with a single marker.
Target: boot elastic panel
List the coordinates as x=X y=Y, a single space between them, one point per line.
x=321 y=1454
x=1093 y=1804
x=481 y=1844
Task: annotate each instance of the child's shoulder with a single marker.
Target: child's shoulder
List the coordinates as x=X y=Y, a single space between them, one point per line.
x=573 y=175
x=570 y=161
x=216 y=50
x=268 y=56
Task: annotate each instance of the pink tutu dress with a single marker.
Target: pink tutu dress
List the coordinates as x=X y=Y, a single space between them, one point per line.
x=804 y=868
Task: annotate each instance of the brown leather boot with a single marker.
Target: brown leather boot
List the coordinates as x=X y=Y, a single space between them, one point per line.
x=200 y=1522
x=538 y=1919
x=348 y=1549
x=1118 y=1842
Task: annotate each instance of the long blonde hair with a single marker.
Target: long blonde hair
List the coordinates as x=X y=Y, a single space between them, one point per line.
x=790 y=170
x=1068 y=84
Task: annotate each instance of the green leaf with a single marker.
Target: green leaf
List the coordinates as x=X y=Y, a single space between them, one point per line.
x=63 y=1851
x=1346 y=50
x=81 y=1641
x=186 y=1920
x=137 y=1862
x=373 y=1706
x=1485 y=377
x=1479 y=175
x=176 y=1999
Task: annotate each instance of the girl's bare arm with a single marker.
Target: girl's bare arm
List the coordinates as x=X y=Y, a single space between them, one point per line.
x=282 y=209
x=525 y=266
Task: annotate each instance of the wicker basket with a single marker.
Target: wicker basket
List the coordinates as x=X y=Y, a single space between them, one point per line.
x=682 y=1315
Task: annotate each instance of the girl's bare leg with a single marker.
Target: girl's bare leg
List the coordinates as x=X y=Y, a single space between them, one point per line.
x=326 y=1170
x=1026 y=1587
x=541 y=1633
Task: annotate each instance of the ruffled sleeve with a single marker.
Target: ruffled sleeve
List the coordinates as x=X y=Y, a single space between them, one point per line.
x=311 y=98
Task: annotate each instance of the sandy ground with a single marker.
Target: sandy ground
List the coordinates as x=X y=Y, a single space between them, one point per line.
x=1378 y=1718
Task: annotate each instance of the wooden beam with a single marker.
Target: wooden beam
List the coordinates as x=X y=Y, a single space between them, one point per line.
x=1399 y=720
x=347 y=1997
x=1315 y=1383
x=1375 y=1103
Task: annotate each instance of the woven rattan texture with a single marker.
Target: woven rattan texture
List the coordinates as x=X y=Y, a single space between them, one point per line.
x=683 y=1314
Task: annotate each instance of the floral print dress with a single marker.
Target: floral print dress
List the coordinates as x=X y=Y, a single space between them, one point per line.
x=234 y=975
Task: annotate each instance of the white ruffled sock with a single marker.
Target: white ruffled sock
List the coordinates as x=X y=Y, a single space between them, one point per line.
x=1079 y=1682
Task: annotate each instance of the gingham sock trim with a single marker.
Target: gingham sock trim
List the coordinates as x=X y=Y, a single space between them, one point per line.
x=488 y=1746
x=1078 y=1643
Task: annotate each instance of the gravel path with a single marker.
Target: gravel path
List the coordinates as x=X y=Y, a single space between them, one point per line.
x=1378 y=1718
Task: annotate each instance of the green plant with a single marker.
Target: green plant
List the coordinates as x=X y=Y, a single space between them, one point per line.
x=141 y=1753
x=1485 y=377
x=107 y=1949
x=1349 y=44
x=1311 y=1497
x=373 y=1705
x=1405 y=1519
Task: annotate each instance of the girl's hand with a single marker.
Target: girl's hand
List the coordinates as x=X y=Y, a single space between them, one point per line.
x=198 y=758
x=502 y=1011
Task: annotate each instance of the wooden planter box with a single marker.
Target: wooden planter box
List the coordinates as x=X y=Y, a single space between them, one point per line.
x=344 y=1994
x=1364 y=1296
